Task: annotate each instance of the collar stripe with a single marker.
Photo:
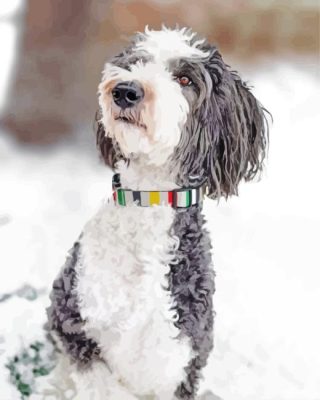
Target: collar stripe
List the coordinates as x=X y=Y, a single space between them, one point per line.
x=179 y=198
x=121 y=197
x=136 y=197
x=154 y=198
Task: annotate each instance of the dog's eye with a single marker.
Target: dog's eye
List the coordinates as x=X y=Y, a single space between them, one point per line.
x=184 y=80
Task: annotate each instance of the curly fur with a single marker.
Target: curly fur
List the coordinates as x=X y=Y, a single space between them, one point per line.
x=225 y=137
x=132 y=308
x=191 y=282
x=64 y=315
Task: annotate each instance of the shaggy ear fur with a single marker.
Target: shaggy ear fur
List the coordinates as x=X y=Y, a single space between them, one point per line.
x=239 y=135
x=226 y=134
x=108 y=150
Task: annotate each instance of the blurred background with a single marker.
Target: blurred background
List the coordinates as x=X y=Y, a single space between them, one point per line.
x=265 y=242
x=61 y=48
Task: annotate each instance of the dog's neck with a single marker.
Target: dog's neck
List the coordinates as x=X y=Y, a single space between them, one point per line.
x=139 y=175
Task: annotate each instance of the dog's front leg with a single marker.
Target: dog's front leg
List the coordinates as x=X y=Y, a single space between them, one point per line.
x=67 y=382
x=97 y=383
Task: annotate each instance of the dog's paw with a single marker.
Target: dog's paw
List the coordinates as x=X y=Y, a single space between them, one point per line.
x=49 y=388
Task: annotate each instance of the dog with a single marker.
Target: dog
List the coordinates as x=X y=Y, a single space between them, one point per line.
x=132 y=311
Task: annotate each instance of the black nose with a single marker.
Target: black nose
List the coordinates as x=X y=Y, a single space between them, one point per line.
x=127 y=94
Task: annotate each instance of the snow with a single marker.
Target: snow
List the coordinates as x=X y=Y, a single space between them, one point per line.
x=265 y=242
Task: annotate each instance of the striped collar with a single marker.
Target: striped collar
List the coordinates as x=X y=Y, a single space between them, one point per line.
x=178 y=198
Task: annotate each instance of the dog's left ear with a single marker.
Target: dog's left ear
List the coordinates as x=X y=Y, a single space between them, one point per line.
x=239 y=137
x=105 y=145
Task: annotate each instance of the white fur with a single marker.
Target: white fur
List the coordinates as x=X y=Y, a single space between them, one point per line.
x=140 y=175
x=67 y=382
x=121 y=276
x=164 y=118
x=166 y=44
x=125 y=257
x=165 y=109
x=126 y=251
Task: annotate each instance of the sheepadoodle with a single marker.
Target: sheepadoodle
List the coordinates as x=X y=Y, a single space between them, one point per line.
x=131 y=311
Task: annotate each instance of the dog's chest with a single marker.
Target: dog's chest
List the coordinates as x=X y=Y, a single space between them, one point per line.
x=122 y=289
x=125 y=254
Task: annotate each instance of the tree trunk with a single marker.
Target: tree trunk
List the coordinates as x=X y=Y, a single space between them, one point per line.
x=46 y=99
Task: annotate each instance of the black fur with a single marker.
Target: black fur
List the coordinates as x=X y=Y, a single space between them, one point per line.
x=191 y=282
x=64 y=316
x=225 y=137
x=224 y=141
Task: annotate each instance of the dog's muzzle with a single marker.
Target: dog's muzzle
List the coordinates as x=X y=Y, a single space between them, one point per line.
x=127 y=94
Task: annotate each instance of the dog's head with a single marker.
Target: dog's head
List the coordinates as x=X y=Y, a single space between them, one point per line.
x=170 y=100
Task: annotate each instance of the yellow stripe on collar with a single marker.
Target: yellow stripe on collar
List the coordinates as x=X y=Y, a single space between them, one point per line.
x=154 y=198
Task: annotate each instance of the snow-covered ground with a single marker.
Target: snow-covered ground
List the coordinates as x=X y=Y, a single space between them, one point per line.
x=266 y=244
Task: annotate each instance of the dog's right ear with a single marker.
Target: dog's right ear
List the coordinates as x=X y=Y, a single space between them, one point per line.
x=237 y=125
x=105 y=144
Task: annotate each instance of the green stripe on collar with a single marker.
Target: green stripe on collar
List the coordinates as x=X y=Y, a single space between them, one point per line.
x=178 y=198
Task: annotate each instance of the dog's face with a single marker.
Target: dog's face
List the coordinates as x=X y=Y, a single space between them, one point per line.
x=170 y=100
